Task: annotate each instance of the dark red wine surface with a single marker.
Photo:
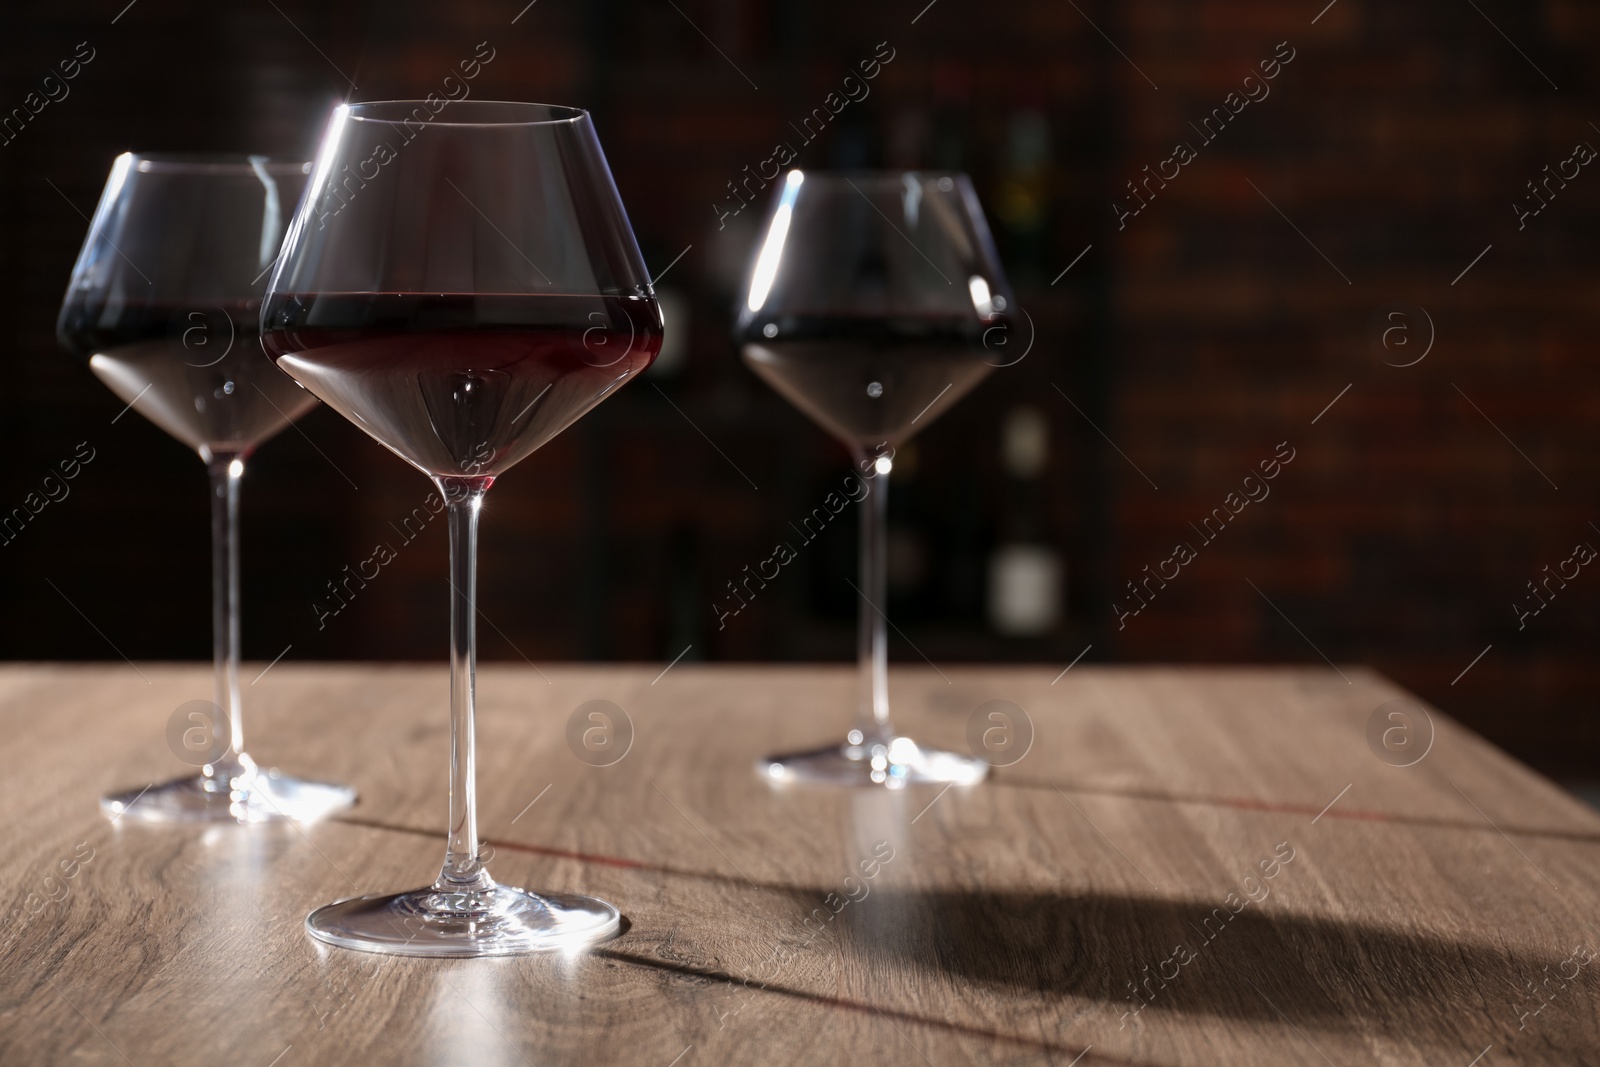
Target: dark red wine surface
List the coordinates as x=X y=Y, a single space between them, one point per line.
x=461 y=385
x=869 y=380
x=197 y=372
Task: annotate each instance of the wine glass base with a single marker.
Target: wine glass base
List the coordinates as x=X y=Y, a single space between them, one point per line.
x=266 y=796
x=500 y=921
x=900 y=763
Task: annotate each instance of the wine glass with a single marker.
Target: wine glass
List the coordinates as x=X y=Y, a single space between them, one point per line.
x=875 y=302
x=164 y=303
x=461 y=282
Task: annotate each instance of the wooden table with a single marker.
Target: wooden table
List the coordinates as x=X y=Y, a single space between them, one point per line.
x=1420 y=910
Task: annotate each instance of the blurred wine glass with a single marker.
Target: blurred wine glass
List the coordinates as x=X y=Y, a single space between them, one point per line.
x=868 y=307
x=164 y=303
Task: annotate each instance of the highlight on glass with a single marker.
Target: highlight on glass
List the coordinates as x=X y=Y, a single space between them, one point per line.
x=875 y=302
x=164 y=304
x=462 y=286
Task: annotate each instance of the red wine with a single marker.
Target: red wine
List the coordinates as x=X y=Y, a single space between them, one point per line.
x=869 y=380
x=195 y=371
x=459 y=384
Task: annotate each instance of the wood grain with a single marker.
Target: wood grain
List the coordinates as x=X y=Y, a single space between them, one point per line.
x=1418 y=911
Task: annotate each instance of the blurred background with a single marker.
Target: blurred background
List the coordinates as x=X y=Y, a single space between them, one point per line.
x=1183 y=331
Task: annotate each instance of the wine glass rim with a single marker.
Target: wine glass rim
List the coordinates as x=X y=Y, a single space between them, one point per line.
x=214 y=162
x=867 y=174
x=554 y=114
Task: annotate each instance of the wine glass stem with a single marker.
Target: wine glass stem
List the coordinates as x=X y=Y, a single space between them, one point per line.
x=226 y=470
x=462 y=868
x=872 y=715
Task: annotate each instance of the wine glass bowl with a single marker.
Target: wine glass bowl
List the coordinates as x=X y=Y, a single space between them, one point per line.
x=874 y=303
x=165 y=299
x=461 y=282
x=164 y=304
x=512 y=301
x=871 y=300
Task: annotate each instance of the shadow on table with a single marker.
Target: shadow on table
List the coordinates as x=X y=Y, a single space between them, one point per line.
x=1259 y=964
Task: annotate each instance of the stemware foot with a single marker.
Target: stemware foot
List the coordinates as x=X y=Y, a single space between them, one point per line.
x=497 y=921
x=894 y=765
x=247 y=796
